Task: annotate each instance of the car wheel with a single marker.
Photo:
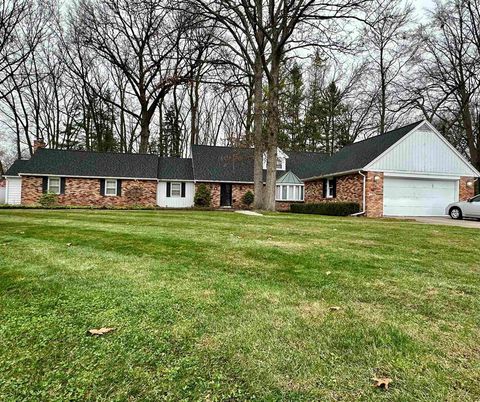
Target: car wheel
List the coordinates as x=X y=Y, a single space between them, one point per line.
x=456 y=213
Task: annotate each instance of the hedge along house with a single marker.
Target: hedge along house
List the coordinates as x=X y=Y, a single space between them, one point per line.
x=409 y=171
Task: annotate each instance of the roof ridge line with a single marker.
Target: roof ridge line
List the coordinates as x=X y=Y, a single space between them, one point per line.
x=385 y=133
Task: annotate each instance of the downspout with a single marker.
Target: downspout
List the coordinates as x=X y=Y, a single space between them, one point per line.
x=362 y=212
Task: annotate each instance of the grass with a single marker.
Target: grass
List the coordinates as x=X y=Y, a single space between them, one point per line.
x=221 y=306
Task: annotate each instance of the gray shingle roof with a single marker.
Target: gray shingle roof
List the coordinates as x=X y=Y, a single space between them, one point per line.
x=16 y=167
x=236 y=164
x=92 y=164
x=175 y=168
x=208 y=163
x=359 y=154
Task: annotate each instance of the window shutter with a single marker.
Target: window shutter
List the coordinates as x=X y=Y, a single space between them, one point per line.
x=102 y=186
x=62 y=185
x=44 y=184
x=168 y=189
x=334 y=187
x=183 y=189
x=324 y=188
x=119 y=187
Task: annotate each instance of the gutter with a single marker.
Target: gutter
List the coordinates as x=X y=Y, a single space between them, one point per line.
x=331 y=175
x=362 y=212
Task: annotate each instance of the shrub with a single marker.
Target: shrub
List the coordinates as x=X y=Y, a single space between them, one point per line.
x=203 y=196
x=327 y=208
x=48 y=200
x=248 y=198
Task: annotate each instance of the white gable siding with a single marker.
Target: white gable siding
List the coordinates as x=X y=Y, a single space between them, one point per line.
x=423 y=151
x=14 y=191
x=175 y=202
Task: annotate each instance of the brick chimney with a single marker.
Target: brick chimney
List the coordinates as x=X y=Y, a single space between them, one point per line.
x=38 y=143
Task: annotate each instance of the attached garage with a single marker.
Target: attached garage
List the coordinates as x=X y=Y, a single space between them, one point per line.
x=404 y=196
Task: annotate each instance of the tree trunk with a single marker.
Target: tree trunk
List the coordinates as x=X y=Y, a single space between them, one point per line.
x=258 y=136
x=273 y=128
x=144 y=129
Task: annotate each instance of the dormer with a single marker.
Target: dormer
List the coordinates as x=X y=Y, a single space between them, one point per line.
x=281 y=160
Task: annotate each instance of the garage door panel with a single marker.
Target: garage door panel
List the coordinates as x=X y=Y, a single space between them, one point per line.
x=417 y=197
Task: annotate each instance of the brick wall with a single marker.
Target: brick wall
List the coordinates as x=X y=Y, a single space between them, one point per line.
x=374 y=195
x=86 y=192
x=238 y=191
x=3 y=183
x=466 y=191
x=350 y=188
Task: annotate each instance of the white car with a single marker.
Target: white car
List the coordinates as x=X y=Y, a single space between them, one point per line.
x=464 y=209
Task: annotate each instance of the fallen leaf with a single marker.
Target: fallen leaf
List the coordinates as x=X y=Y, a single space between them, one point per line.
x=382 y=382
x=327 y=273
x=69 y=244
x=101 y=331
x=334 y=308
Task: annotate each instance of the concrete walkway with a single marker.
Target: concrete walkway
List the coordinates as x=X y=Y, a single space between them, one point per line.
x=445 y=220
x=251 y=213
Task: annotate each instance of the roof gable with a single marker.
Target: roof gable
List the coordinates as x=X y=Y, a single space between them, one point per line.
x=423 y=150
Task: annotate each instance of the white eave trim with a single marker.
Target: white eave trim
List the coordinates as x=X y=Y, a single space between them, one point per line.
x=222 y=181
x=176 y=180
x=438 y=176
x=475 y=172
x=87 y=177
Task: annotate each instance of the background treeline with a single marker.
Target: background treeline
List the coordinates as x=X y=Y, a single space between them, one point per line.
x=158 y=75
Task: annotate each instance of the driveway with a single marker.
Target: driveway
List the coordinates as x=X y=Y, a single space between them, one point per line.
x=445 y=220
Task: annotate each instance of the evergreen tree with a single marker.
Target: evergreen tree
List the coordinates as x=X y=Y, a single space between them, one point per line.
x=172 y=133
x=315 y=113
x=292 y=100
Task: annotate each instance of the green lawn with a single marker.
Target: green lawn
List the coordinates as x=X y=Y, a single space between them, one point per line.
x=221 y=306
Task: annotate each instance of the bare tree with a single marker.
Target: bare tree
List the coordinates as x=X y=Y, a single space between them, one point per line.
x=390 y=45
x=451 y=75
x=145 y=41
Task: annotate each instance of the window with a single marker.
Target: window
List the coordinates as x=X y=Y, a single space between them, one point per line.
x=54 y=185
x=110 y=187
x=280 y=164
x=176 y=189
x=476 y=199
x=289 y=192
x=330 y=188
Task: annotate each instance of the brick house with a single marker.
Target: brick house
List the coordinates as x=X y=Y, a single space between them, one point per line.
x=409 y=171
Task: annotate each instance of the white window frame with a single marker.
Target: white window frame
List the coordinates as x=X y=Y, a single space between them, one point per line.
x=329 y=183
x=107 y=181
x=49 y=190
x=294 y=192
x=172 y=185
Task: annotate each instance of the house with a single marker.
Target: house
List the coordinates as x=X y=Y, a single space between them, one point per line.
x=410 y=171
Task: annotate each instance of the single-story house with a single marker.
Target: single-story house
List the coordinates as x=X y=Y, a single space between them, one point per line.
x=410 y=171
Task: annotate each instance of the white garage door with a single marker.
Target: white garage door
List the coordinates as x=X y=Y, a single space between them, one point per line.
x=417 y=197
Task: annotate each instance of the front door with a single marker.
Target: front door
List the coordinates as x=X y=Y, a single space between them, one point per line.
x=225 y=195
